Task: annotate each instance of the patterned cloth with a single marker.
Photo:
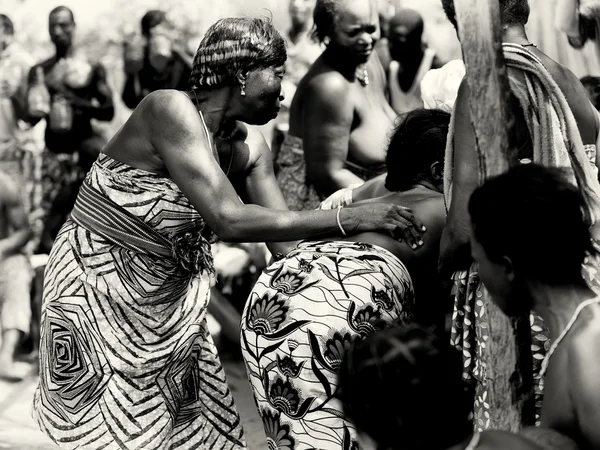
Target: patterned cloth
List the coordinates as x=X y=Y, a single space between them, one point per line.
x=125 y=355
x=303 y=313
x=298 y=192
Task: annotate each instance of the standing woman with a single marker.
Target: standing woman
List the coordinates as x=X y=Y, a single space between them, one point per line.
x=126 y=357
x=340 y=117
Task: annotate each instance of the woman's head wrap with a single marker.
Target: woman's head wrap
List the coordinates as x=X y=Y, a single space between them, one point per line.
x=233 y=46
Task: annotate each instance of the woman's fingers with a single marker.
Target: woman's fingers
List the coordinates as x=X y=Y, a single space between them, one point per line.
x=408 y=227
x=407 y=214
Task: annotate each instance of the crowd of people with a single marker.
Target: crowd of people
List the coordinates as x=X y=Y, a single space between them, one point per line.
x=353 y=256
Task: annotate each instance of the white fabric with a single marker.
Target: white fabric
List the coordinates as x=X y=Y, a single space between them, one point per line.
x=439 y=87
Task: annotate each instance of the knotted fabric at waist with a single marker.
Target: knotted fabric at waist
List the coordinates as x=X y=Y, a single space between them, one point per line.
x=98 y=214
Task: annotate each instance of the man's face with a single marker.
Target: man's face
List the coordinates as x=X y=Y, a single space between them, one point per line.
x=61 y=28
x=511 y=296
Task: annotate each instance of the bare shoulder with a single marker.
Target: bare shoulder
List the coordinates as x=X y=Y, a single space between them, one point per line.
x=168 y=108
x=256 y=140
x=328 y=86
x=582 y=352
x=252 y=141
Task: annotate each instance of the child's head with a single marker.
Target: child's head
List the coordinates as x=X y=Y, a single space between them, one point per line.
x=397 y=384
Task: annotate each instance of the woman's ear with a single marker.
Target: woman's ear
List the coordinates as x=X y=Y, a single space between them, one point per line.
x=241 y=78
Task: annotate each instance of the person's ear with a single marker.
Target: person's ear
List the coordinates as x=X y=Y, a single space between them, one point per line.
x=509 y=269
x=436 y=171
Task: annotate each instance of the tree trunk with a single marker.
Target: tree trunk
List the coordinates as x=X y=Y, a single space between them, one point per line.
x=492 y=120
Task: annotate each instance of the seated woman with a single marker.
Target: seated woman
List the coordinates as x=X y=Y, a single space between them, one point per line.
x=340 y=117
x=399 y=385
x=306 y=308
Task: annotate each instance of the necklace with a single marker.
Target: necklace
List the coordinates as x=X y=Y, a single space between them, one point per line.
x=362 y=75
x=562 y=335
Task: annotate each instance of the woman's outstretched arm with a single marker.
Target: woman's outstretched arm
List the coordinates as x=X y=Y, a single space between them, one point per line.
x=177 y=134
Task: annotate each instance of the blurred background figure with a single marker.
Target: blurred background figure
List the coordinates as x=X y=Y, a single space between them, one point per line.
x=411 y=60
x=154 y=60
x=67 y=91
x=340 y=116
x=15 y=63
x=15 y=276
x=303 y=51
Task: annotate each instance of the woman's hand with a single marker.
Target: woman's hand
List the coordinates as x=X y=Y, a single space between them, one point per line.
x=385 y=217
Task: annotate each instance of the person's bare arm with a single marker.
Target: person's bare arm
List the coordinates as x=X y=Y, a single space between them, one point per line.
x=327 y=121
x=104 y=110
x=261 y=185
x=584 y=383
x=455 y=250
x=18 y=225
x=177 y=134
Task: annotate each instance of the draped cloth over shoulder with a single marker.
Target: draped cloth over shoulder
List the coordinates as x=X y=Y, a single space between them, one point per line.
x=557 y=143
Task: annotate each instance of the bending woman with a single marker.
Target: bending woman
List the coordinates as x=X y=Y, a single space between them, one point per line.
x=126 y=357
x=308 y=307
x=340 y=117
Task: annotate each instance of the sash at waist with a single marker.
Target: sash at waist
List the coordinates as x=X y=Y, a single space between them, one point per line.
x=98 y=214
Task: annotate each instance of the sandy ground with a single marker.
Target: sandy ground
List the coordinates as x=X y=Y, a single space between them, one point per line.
x=18 y=431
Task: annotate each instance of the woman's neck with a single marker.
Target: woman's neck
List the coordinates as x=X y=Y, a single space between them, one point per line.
x=557 y=305
x=214 y=106
x=337 y=61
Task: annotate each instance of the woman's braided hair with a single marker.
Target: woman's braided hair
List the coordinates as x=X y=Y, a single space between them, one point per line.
x=236 y=45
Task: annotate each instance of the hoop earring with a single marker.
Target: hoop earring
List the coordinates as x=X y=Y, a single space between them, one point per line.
x=243 y=88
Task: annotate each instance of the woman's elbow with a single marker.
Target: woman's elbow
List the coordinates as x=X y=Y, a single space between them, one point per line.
x=231 y=226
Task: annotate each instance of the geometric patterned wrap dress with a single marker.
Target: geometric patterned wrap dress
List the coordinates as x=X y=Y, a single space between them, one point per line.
x=304 y=312
x=126 y=359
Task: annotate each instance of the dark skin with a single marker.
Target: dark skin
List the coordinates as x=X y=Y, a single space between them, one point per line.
x=427 y=203
x=93 y=101
x=338 y=119
x=140 y=83
x=455 y=248
x=166 y=135
x=406 y=47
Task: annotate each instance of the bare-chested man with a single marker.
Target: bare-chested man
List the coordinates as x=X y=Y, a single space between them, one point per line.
x=340 y=118
x=79 y=92
x=515 y=219
x=15 y=275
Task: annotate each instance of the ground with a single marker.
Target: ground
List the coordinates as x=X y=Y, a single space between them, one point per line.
x=18 y=431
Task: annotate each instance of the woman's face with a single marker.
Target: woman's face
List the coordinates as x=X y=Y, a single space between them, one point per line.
x=357 y=29
x=264 y=94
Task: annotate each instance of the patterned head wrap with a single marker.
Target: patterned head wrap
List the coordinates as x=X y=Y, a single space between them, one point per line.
x=233 y=46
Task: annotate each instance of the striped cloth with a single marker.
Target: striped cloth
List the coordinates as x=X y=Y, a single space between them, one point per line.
x=126 y=359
